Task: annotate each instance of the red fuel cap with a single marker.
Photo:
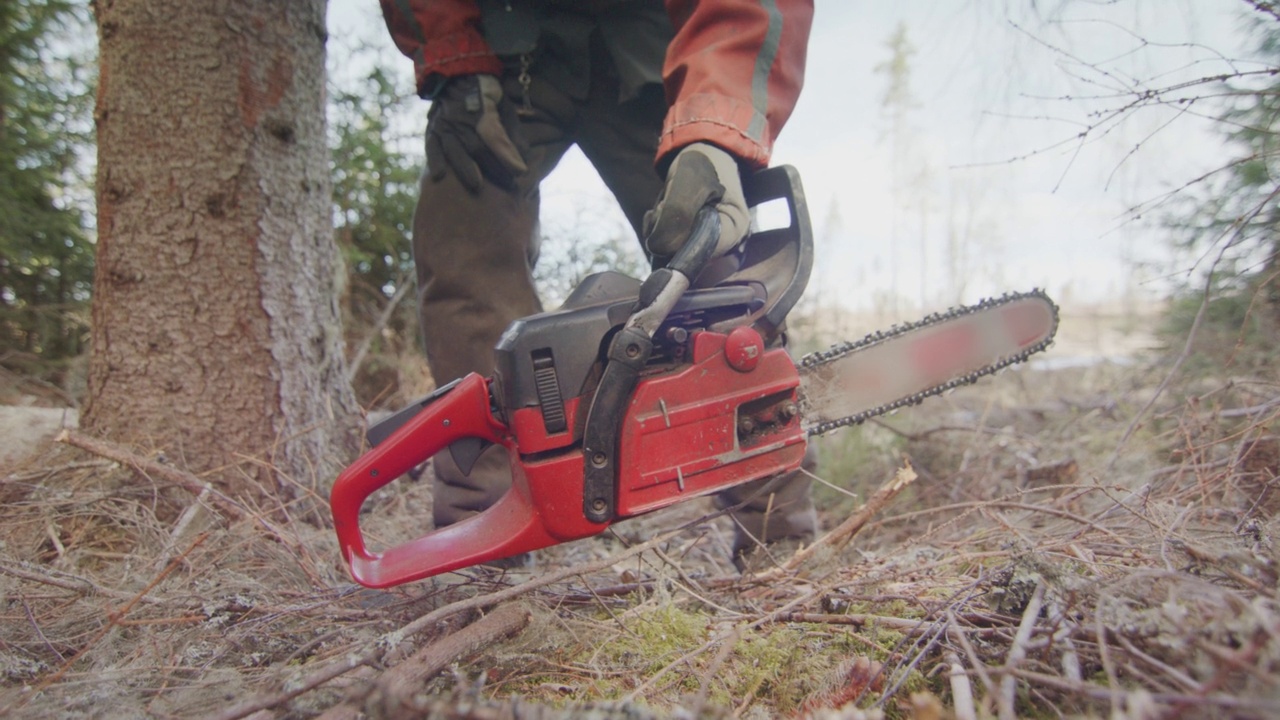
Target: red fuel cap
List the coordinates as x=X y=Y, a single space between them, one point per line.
x=743 y=348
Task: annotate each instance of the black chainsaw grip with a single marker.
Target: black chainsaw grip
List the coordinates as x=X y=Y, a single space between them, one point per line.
x=698 y=249
x=383 y=429
x=628 y=353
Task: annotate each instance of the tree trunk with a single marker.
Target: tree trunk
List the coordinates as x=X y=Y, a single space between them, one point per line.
x=216 y=335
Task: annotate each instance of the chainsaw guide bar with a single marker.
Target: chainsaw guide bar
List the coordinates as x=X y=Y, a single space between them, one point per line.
x=851 y=382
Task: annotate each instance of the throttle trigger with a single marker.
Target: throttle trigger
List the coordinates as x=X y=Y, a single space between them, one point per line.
x=466 y=452
x=382 y=430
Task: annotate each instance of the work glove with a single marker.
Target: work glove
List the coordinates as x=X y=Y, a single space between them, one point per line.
x=701 y=174
x=470 y=131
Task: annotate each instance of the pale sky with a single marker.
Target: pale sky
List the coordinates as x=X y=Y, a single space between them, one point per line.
x=990 y=78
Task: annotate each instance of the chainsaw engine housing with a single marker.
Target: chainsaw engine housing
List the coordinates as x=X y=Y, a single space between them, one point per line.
x=711 y=403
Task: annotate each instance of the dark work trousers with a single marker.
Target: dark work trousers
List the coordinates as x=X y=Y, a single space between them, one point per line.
x=474 y=254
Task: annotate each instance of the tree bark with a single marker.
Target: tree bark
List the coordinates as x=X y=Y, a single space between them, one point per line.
x=215 y=328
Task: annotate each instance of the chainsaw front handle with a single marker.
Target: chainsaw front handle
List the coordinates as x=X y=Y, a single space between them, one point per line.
x=701 y=245
x=628 y=352
x=664 y=287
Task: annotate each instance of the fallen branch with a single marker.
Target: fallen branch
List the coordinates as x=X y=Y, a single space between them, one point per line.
x=47 y=471
x=961 y=688
x=1018 y=653
x=401 y=681
x=852 y=525
x=393 y=693
x=75 y=583
x=124 y=456
x=1268 y=406
x=323 y=675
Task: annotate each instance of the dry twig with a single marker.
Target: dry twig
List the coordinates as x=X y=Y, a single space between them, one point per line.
x=393 y=692
x=846 y=531
x=961 y=689
x=113 y=619
x=124 y=456
x=1017 y=653
x=323 y=675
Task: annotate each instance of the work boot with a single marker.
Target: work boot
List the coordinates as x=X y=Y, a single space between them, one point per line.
x=758 y=557
x=456 y=495
x=776 y=516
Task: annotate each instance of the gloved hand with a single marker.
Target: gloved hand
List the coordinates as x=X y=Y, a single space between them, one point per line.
x=701 y=174
x=470 y=131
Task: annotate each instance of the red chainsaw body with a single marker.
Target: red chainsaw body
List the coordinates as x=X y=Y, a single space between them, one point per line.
x=626 y=399
x=709 y=426
x=692 y=429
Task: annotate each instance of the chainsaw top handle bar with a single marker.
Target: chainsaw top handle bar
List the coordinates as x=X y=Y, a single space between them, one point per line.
x=628 y=353
x=697 y=250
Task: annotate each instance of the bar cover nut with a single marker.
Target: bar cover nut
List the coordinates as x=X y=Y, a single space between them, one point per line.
x=743 y=348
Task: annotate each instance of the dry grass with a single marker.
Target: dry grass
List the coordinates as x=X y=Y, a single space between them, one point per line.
x=1038 y=567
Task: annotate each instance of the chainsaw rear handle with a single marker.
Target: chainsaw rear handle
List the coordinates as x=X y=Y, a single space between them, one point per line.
x=461 y=412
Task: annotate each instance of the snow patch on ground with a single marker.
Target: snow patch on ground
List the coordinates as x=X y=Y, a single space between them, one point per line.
x=24 y=430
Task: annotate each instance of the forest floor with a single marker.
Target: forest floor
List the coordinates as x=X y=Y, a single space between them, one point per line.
x=1087 y=541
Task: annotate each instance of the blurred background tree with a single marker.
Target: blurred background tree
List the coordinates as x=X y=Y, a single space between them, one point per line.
x=46 y=230
x=376 y=160
x=1227 y=226
x=594 y=240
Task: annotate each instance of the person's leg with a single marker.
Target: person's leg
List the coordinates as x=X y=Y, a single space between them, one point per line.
x=620 y=141
x=473 y=253
x=774 y=511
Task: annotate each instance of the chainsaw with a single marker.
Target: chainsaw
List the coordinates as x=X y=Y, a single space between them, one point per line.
x=634 y=396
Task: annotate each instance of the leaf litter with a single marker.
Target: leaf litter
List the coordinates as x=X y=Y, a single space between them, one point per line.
x=1022 y=562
